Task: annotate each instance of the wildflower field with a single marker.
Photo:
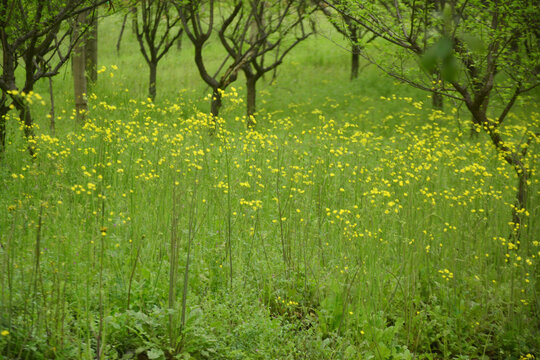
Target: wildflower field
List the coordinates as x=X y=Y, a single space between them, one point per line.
x=353 y=222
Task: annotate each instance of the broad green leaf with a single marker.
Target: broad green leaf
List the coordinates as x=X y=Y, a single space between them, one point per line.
x=155 y=354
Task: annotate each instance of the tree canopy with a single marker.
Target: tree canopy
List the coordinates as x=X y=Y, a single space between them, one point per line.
x=470 y=51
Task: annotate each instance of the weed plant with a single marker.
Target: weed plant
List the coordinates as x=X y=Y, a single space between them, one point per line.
x=353 y=222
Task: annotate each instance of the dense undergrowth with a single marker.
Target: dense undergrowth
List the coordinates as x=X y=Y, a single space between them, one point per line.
x=346 y=225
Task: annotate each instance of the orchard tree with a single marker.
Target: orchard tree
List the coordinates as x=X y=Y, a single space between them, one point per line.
x=486 y=51
x=357 y=35
x=157 y=27
x=84 y=59
x=271 y=29
x=255 y=34
x=35 y=36
x=194 y=14
x=91 y=46
x=127 y=8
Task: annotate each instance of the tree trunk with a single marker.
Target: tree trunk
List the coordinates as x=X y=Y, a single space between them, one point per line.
x=133 y=11
x=521 y=203
x=437 y=101
x=353 y=30
x=355 y=61
x=91 y=48
x=179 y=43
x=251 y=105
x=78 y=67
x=513 y=158
x=216 y=103
x=119 y=41
x=152 y=82
x=3 y=112
x=26 y=118
x=215 y=106
x=477 y=120
x=51 y=112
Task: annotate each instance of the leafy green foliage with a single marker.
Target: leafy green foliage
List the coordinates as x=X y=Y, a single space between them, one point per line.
x=441 y=57
x=393 y=222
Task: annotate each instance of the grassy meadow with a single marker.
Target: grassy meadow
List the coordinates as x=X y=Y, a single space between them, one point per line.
x=352 y=223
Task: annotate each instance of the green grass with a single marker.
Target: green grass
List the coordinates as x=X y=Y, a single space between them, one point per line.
x=355 y=223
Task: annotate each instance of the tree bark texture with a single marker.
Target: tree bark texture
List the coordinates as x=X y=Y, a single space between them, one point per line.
x=152 y=80
x=355 y=61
